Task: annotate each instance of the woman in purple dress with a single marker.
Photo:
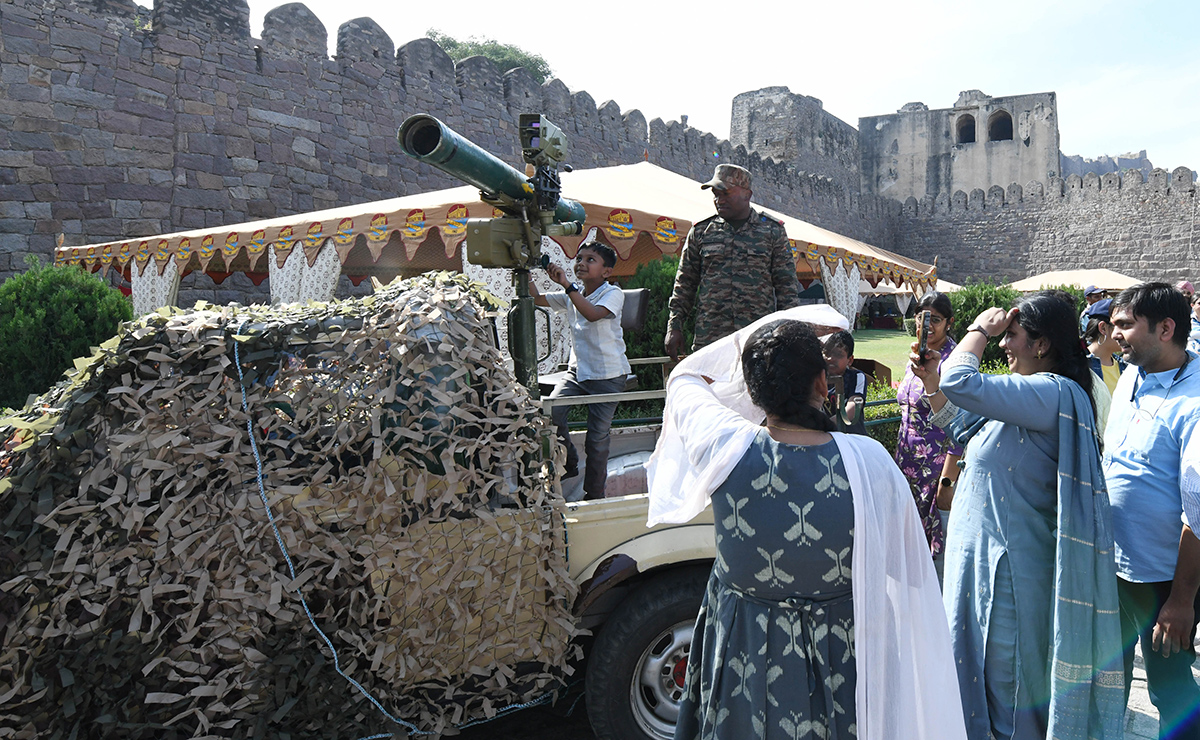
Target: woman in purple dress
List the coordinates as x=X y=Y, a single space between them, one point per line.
x=924 y=452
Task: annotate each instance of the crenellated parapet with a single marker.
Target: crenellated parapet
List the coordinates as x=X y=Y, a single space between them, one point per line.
x=293 y=30
x=522 y=93
x=362 y=39
x=1149 y=229
x=1179 y=183
x=129 y=122
x=227 y=19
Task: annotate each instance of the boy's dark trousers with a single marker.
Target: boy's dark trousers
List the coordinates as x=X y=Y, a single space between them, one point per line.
x=599 y=421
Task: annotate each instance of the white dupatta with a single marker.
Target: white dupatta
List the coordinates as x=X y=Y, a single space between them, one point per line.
x=907 y=687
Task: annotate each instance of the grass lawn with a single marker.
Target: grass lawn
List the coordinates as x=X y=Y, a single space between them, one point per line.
x=889 y=346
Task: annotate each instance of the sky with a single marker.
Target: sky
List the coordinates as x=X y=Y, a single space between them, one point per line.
x=1127 y=72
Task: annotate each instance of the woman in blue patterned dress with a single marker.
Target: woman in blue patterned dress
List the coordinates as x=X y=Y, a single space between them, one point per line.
x=779 y=649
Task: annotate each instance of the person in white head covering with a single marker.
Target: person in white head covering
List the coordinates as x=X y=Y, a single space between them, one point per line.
x=823 y=612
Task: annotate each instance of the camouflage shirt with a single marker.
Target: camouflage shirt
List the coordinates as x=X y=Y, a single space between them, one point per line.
x=733 y=277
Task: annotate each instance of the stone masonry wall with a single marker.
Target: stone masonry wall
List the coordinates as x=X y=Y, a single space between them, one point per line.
x=116 y=123
x=796 y=129
x=1146 y=229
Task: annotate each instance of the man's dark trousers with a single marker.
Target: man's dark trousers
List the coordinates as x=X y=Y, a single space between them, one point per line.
x=1172 y=687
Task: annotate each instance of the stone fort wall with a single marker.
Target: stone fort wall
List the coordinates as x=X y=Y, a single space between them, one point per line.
x=792 y=128
x=118 y=122
x=1148 y=229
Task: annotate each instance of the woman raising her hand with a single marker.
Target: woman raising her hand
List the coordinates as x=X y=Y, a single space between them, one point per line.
x=1030 y=590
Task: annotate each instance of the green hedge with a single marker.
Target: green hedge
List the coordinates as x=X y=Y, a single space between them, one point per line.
x=657 y=276
x=48 y=317
x=888 y=433
x=973 y=299
x=976 y=297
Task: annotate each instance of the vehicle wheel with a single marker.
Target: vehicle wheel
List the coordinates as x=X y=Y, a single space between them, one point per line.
x=637 y=665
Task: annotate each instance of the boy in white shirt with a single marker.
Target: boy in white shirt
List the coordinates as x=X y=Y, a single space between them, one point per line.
x=598 y=363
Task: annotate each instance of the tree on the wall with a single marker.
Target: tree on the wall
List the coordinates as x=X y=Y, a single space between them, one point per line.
x=506 y=56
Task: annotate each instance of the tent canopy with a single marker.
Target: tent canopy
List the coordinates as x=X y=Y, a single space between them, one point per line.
x=1101 y=278
x=642 y=210
x=882 y=288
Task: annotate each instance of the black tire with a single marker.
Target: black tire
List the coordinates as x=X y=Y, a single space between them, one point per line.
x=635 y=670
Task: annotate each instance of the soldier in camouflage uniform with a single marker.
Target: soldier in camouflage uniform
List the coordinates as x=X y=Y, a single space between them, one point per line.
x=736 y=267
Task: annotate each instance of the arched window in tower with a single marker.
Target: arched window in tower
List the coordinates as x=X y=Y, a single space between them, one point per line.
x=965 y=130
x=1000 y=126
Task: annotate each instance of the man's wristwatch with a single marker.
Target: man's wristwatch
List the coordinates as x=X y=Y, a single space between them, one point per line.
x=571 y=288
x=980 y=329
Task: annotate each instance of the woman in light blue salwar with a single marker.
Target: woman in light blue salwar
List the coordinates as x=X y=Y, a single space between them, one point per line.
x=1030 y=587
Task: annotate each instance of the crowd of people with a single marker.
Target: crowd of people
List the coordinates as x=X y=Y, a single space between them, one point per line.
x=1065 y=541
x=1051 y=530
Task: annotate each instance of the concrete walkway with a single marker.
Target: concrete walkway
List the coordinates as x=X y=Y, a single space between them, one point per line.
x=1141 y=719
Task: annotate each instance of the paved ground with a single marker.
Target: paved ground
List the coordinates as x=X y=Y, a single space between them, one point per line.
x=1141 y=721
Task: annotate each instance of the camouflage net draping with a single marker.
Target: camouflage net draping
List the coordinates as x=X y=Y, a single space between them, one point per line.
x=142 y=590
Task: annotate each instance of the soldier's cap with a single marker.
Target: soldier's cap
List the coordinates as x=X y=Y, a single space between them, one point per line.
x=728 y=176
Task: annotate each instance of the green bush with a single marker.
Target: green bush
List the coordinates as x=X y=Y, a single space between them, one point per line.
x=910 y=326
x=48 y=317
x=658 y=277
x=995 y=367
x=1076 y=293
x=505 y=56
x=888 y=433
x=972 y=300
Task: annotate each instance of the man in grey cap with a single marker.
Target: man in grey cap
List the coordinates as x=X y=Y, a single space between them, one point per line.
x=736 y=266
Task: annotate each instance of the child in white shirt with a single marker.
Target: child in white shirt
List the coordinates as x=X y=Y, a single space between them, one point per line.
x=598 y=363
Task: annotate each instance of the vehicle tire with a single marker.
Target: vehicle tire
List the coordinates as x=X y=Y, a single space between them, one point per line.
x=636 y=668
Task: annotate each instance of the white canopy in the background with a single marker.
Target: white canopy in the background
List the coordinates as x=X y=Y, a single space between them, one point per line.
x=904 y=296
x=642 y=210
x=1101 y=278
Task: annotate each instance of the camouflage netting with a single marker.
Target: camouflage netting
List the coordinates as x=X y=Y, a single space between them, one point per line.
x=143 y=591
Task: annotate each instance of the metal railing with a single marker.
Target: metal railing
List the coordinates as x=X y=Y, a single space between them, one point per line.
x=881 y=402
x=548 y=403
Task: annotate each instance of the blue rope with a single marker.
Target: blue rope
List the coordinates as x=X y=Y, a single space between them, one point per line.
x=262 y=493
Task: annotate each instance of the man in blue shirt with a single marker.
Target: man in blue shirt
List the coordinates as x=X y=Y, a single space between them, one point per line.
x=1148 y=445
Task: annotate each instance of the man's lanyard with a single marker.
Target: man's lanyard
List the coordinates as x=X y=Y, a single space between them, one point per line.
x=1141 y=415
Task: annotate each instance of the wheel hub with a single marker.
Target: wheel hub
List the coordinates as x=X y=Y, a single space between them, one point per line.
x=658 y=681
x=679 y=672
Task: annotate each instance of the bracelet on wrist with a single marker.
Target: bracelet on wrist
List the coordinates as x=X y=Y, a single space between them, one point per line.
x=927 y=394
x=980 y=329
